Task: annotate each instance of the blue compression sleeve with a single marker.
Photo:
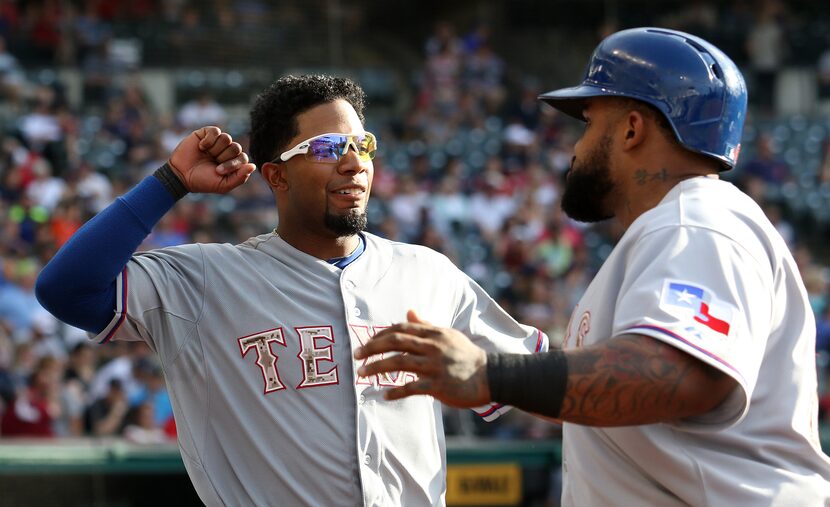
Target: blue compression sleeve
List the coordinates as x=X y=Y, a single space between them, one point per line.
x=78 y=284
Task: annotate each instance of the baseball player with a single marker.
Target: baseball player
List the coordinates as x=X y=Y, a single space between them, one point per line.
x=688 y=371
x=256 y=339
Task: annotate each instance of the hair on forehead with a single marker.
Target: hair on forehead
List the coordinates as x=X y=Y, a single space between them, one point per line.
x=275 y=111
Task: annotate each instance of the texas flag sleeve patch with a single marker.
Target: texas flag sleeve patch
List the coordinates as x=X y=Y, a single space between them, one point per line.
x=698 y=303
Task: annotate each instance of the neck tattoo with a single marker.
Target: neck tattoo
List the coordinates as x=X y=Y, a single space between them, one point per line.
x=642 y=176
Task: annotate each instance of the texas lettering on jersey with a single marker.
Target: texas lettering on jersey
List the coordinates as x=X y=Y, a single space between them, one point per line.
x=364 y=333
x=316 y=344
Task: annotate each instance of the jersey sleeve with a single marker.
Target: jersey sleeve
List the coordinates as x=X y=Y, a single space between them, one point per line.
x=160 y=293
x=701 y=292
x=492 y=329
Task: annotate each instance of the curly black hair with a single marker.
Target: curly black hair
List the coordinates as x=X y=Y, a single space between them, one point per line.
x=275 y=110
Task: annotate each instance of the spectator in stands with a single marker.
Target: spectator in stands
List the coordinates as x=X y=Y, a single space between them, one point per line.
x=24 y=220
x=407 y=206
x=483 y=75
x=41 y=126
x=12 y=78
x=493 y=201
x=136 y=108
x=441 y=86
x=99 y=71
x=188 y=32
x=65 y=220
x=449 y=206
x=766 y=46
x=42 y=24
x=90 y=31
x=141 y=426
x=171 y=132
x=45 y=190
x=823 y=358
x=823 y=328
x=823 y=76
x=18 y=305
x=121 y=367
x=764 y=169
x=525 y=105
x=35 y=408
x=699 y=17
x=553 y=251
x=9 y=18
x=152 y=390
x=443 y=35
x=44 y=337
x=537 y=310
x=80 y=370
x=92 y=187
x=203 y=110
x=107 y=416
x=824 y=170
x=783 y=226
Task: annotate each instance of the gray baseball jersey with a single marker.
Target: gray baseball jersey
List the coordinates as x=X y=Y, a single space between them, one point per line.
x=256 y=343
x=706 y=272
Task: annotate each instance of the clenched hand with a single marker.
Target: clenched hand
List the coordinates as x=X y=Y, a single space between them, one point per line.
x=209 y=161
x=449 y=366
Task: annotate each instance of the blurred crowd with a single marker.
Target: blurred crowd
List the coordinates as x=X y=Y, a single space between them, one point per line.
x=473 y=169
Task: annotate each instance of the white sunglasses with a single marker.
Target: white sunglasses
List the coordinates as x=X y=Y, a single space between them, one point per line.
x=330 y=148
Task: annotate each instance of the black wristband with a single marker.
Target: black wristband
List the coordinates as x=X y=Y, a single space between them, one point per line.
x=530 y=382
x=171 y=181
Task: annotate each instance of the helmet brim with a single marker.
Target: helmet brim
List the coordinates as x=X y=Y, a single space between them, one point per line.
x=571 y=101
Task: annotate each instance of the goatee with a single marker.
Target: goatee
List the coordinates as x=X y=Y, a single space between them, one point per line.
x=346 y=225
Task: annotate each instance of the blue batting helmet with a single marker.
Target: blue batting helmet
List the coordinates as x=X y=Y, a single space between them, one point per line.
x=694 y=84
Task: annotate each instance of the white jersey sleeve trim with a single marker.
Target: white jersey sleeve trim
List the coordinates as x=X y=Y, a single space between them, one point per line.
x=736 y=405
x=659 y=332
x=493 y=411
x=120 y=310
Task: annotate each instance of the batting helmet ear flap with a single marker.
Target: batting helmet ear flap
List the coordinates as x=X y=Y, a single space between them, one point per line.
x=692 y=83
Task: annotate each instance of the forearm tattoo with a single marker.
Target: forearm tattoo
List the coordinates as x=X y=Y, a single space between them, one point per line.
x=637 y=380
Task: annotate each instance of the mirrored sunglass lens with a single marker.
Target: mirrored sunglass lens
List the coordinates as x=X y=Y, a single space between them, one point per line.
x=326 y=148
x=366 y=147
x=331 y=148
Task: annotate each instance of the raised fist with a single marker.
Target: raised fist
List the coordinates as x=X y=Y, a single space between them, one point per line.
x=209 y=161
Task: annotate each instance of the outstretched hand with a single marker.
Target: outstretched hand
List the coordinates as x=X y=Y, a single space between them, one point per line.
x=449 y=366
x=209 y=161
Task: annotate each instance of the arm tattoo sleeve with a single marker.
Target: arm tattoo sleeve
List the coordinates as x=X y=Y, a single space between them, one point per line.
x=636 y=379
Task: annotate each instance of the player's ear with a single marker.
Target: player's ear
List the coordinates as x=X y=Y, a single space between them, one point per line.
x=633 y=128
x=275 y=175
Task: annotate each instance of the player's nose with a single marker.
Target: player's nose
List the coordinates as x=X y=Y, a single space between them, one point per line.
x=351 y=163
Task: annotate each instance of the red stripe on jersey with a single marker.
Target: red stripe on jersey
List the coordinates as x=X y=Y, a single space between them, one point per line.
x=123 y=308
x=687 y=342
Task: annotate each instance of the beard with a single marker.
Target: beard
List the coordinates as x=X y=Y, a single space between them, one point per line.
x=588 y=185
x=346 y=225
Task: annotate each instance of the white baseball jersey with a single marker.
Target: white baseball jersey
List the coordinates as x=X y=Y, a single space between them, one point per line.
x=256 y=343
x=706 y=272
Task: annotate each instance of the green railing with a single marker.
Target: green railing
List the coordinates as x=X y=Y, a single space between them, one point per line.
x=116 y=473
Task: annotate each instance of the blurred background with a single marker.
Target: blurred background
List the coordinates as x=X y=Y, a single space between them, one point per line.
x=95 y=94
